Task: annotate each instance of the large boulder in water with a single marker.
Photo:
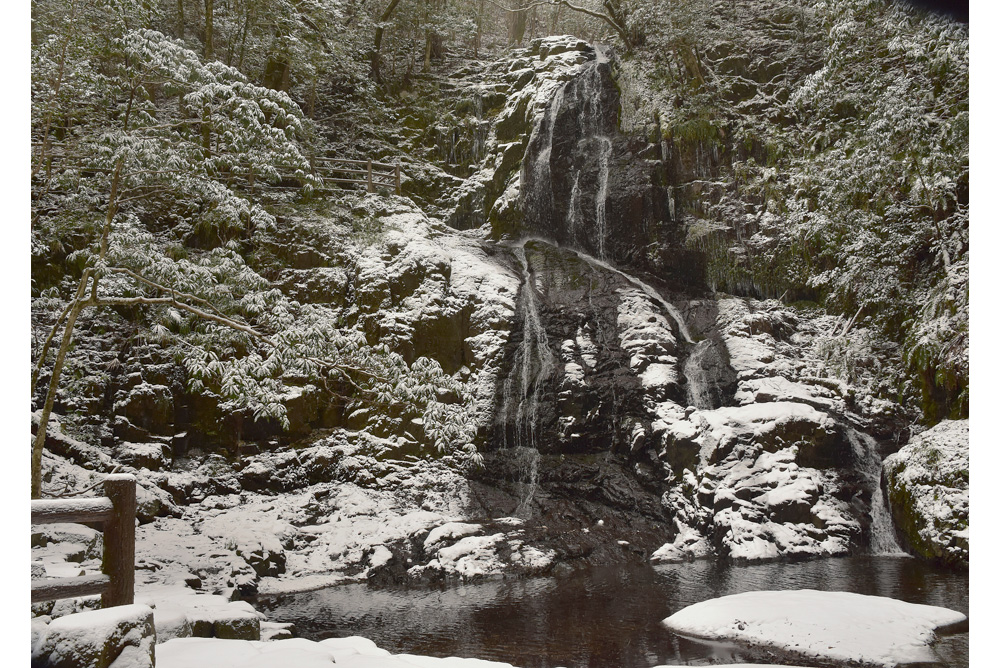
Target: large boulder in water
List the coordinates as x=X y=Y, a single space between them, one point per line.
x=928 y=488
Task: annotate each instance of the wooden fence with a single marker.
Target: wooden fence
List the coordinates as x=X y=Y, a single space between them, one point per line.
x=329 y=170
x=116 y=583
x=369 y=172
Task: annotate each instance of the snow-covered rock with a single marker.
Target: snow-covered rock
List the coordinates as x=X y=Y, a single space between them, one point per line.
x=118 y=637
x=928 y=488
x=152 y=456
x=822 y=626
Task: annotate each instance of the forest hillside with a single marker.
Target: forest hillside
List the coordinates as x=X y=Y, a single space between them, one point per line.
x=425 y=290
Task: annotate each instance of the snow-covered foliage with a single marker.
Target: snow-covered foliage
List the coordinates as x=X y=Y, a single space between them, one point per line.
x=824 y=153
x=809 y=625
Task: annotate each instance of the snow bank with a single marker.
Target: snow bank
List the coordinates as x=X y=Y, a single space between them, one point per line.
x=819 y=625
x=353 y=652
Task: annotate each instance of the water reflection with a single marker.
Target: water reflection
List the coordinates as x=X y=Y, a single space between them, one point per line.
x=605 y=616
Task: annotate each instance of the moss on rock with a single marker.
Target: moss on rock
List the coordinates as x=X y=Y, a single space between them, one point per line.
x=928 y=487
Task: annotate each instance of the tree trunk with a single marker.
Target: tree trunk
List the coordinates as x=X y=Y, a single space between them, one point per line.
x=518 y=22
x=180 y=19
x=377 y=47
x=478 y=43
x=427 y=51
x=50 y=396
x=79 y=301
x=209 y=29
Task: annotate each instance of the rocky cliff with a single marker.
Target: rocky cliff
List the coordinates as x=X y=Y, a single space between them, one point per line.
x=622 y=409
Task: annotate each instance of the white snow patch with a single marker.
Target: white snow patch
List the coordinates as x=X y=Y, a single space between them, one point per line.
x=450 y=530
x=353 y=652
x=830 y=626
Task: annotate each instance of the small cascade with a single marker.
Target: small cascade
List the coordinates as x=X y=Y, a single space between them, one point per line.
x=601 y=199
x=534 y=363
x=525 y=463
x=699 y=381
x=869 y=462
x=538 y=200
x=575 y=212
x=649 y=290
x=593 y=141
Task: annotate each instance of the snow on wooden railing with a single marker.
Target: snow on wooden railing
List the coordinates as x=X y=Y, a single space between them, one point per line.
x=338 y=171
x=370 y=176
x=116 y=583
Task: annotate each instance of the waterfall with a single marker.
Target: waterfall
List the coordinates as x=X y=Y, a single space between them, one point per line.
x=600 y=200
x=699 y=384
x=526 y=467
x=593 y=141
x=869 y=461
x=534 y=363
x=649 y=290
x=539 y=199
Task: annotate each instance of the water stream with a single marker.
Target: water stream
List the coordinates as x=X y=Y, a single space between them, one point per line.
x=869 y=461
x=647 y=289
x=699 y=381
x=533 y=364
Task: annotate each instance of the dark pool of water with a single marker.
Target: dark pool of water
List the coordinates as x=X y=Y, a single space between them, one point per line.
x=602 y=617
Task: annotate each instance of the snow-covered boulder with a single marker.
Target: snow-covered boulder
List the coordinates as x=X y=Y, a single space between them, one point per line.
x=928 y=488
x=78 y=540
x=153 y=456
x=181 y=613
x=119 y=637
x=821 y=626
x=148 y=406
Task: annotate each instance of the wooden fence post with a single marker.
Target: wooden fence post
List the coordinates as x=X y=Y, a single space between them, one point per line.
x=397 y=179
x=119 y=541
x=371 y=186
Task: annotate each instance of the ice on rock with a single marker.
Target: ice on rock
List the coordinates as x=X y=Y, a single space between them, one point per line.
x=820 y=625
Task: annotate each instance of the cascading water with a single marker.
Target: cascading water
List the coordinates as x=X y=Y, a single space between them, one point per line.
x=566 y=176
x=601 y=199
x=539 y=200
x=699 y=384
x=534 y=363
x=649 y=291
x=866 y=454
x=593 y=142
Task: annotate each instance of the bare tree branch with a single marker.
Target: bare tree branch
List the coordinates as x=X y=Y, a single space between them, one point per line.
x=620 y=29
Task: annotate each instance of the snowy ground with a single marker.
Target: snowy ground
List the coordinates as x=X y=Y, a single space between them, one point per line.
x=353 y=652
x=821 y=625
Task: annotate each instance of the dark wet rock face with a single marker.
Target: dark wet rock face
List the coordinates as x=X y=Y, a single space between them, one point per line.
x=585 y=185
x=567 y=386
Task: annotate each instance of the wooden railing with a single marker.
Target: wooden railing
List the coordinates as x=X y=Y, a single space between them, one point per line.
x=116 y=583
x=367 y=173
